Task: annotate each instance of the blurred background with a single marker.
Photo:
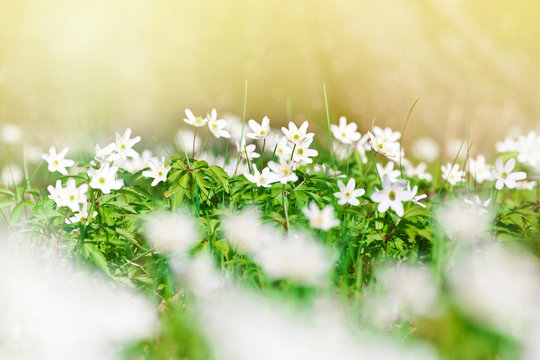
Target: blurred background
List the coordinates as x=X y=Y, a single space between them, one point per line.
x=71 y=71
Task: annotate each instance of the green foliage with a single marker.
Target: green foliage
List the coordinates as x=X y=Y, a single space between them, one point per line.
x=113 y=240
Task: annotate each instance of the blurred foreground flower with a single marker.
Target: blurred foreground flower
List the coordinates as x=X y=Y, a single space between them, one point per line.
x=77 y=315
x=462 y=221
x=171 y=233
x=242 y=326
x=497 y=287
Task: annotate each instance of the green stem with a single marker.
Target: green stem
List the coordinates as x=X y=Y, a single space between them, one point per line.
x=202 y=147
x=243 y=122
x=285 y=207
x=194 y=137
x=262 y=153
x=329 y=128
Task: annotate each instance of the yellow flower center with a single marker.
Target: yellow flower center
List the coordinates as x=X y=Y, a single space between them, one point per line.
x=392 y=195
x=504 y=175
x=296 y=137
x=101 y=180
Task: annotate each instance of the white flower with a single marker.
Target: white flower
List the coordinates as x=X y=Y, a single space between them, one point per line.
x=245 y=232
x=452 y=174
x=297 y=135
x=81 y=215
x=508 y=145
x=11 y=133
x=425 y=149
x=529 y=150
x=259 y=131
x=104 y=178
x=263 y=178
x=525 y=185
x=387 y=134
x=388 y=170
x=79 y=315
x=247 y=151
x=497 y=287
x=158 y=171
x=345 y=133
x=479 y=170
x=198 y=121
x=56 y=161
x=478 y=204
x=416 y=198
x=391 y=196
x=74 y=196
x=11 y=175
x=463 y=222
x=283 y=170
x=324 y=219
x=504 y=175
x=283 y=150
x=382 y=145
x=296 y=257
x=412 y=288
x=302 y=152
x=419 y=171
x=198 y=274
x=217 y=127
x=106 y=154
x=348 y=194
x=137 y=164
x=57 y=193
x=124 y=145
x=171 y=233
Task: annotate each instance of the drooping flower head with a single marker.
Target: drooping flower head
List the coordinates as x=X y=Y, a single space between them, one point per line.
x=217 y=126
x=197 y=121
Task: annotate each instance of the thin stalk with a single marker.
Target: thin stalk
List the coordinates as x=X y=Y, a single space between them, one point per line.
x=203 y=145
x=262 y=153
x=329 y=127
x=194 y=137
x=285 y=207
x=292 y=152
x=403 y=134
x=243 y=122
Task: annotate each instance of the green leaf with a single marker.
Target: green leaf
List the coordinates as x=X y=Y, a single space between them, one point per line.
x=16 y=213
x=97 y=257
